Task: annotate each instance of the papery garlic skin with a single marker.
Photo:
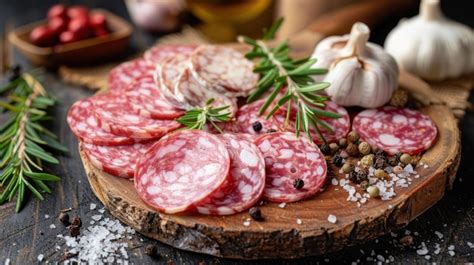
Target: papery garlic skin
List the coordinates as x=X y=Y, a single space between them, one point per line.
x=360 y=73
x=432 y=46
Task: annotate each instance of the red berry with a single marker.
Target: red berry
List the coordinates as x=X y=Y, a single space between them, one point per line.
x=58 y=10
x=42 y=36
x=67 y=37
x=79 y=27
x=99 y=32
x=78 y=12
x=57 y=25
x=97 y=20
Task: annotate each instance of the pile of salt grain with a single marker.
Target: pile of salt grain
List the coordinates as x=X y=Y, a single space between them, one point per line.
x=386 y=187
x=103 y=242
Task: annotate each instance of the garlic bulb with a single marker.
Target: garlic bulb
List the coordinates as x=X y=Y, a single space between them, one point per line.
x=432 y=46
x=360 y=73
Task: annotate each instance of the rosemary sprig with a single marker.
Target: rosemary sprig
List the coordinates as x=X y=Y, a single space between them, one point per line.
x=22 y=138
x=278 y=70
x=198 y=117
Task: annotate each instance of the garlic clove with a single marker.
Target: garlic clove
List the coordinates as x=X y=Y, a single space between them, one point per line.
x=360 y=73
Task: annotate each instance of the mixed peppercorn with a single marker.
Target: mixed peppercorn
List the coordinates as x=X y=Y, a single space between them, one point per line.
x=347 y=151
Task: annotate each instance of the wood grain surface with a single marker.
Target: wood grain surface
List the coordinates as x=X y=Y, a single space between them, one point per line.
x=25 y=235
x=279 y=236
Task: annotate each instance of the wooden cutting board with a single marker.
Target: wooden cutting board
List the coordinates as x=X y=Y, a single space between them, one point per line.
x=279 y=236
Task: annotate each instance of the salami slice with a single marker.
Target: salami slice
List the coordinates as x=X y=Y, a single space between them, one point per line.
x=167 y=75
x=86 y=128
x=340 y=126
x=115 y=115
x=124 y=74
x=396 y=130
x=148 y=101
x=226 y=67
x=248 y=116
x=159 y=53
x=245 y=183
x=288 y=158
x=182 y=170
x=119 y=160
x=195 y=95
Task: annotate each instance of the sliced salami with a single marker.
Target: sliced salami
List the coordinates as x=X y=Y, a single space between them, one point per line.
x=167 y=75
x=245 y=183
x=148 y=101
x=195 y=95
x=288 y=158
x=124 y=74
x=159 y=53
x=115 y=115
x=249 y=121
x=340 y=126
x=119 y=160
x=224 y=67
x=86 y=128
x=396 y=130
x=182 y=170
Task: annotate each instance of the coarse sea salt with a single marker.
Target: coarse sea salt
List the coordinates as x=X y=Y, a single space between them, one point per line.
x=332 y=219
x=100 y=242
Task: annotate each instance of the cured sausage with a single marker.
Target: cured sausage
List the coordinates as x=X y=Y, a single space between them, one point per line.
x=159 y=53
x=396 y=130
x=246 y=180
x=148 y=101
x=119 y=160
x=115 y=115
x=86 y=128
x=182 y=170
x=124 y=74
x=289 y=159
x=224 y=67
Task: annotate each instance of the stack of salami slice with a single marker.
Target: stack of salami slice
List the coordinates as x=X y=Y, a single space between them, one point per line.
x=130 y=131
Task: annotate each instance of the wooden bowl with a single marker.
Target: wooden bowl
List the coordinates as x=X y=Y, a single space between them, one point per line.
x=85 y=51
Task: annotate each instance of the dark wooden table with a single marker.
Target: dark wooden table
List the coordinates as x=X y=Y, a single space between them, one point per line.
x=25 y=235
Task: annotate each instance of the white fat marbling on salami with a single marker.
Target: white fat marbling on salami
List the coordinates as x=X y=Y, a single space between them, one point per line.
x=115 y=115
x=307 y=163
x=195 y=94
x=126 y=73
x=119 y=160
x=159 y=53
x=173 y=191
x=145 y=97
x=84 y=125
x=396 y=130
x=245 y=182
x=224 y=67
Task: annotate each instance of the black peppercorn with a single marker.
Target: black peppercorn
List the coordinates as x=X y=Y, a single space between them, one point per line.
x=338 y=161
x=325 y=149
x=380 y=162
x=298 y=184
x=64 y=218
x=380 y=153
x=271 y=130
x=74 y=230
x=76 y=221
x=358 y=176
x=256 y=214
x=152 y=251
x=15 y=73
x=257 y=126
